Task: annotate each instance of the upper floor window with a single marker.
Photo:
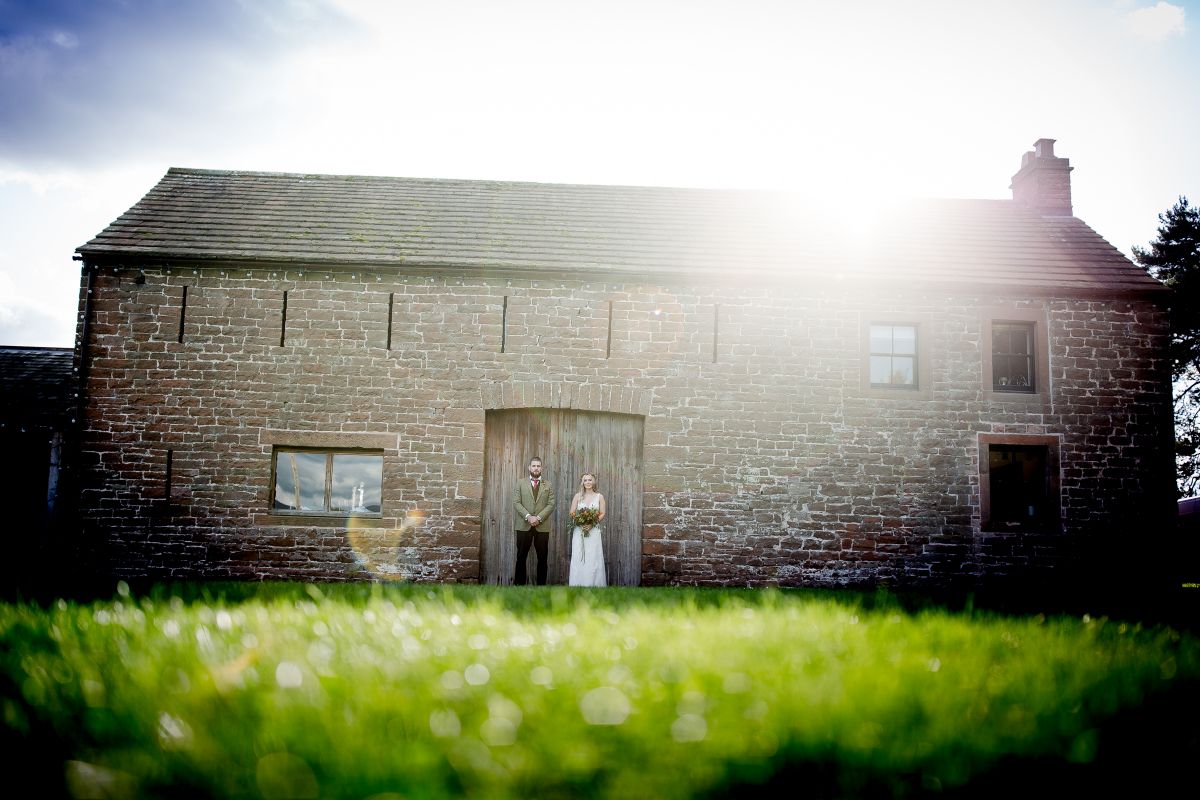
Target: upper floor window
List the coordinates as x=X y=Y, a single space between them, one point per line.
x=1013 y=357
x=320 y=481
x=893 y=356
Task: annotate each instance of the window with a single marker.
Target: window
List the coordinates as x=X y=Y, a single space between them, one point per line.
x=893 y=356
x=1019 y=483
x=1013 y=357
x=1017 y=476
x=327 y=481
x=1016 y=356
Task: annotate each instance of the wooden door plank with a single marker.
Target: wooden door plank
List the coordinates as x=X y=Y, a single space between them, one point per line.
x=561 y=465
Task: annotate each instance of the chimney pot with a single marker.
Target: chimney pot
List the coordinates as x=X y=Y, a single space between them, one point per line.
x=1044 y=148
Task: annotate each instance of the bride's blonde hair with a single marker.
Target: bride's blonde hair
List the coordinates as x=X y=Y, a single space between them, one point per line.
x=595 y=483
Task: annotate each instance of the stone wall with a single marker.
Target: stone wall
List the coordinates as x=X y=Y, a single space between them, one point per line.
x=766 y=460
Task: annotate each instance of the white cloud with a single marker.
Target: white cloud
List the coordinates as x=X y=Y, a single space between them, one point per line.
x=65 y=39
x=42 y=181
x=1157 y=22
x=44 y=216
x=31 y=324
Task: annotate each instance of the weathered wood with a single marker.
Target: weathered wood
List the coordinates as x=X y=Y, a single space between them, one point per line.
x=570 y=443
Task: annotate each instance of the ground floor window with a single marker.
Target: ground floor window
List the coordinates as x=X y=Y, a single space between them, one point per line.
x=1019 y=483
x=318 y=481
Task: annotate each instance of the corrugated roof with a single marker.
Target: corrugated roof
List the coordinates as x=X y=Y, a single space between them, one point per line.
x=248 y=217
x=36 y=387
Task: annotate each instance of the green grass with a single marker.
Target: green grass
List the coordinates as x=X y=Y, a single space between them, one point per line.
x=357 y=691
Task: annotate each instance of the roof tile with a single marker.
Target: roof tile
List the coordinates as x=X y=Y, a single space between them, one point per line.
x=221 y=216
x=36 y=387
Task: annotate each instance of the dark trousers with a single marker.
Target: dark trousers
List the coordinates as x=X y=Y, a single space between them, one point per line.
x=540 y=542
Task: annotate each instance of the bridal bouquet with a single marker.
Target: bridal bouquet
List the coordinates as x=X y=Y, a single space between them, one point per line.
x=585 y=518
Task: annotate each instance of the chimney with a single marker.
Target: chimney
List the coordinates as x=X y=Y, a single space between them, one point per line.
x=1043 y=183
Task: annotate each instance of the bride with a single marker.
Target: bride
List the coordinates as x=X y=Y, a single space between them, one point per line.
x=587 y=551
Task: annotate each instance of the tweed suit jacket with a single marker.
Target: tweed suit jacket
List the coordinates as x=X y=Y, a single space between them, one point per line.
x=542 y=507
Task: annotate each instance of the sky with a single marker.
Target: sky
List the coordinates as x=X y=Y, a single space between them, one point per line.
x=851 y=102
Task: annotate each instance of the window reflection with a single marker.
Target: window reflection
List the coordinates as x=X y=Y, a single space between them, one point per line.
x=893 y=355
x=300 y=481
x=328 y=482
x=357 y=483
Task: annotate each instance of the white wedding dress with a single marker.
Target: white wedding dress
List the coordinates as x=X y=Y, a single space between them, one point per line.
x=587 y=554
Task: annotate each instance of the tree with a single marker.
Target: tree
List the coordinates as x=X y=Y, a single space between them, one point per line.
x=1174 y=258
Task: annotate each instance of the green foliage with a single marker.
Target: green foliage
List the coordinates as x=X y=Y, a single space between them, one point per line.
x=1174 y=258
x=414 y=691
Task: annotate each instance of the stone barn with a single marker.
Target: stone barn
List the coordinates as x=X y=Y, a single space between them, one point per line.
x=37 y=411
x=342 y=377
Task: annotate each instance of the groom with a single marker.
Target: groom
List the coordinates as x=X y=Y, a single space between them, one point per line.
x=533 y=502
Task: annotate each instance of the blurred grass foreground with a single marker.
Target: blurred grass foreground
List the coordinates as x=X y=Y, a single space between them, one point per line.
x=383 y=692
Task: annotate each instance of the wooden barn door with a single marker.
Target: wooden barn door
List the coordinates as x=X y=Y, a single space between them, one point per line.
x=569 y=443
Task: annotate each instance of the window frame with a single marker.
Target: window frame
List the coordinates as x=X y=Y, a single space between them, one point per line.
x=329 y=453
x=1029 y=329
x=1040 y=354
x=1052 y=444
x=923 y=363
x=892 y=355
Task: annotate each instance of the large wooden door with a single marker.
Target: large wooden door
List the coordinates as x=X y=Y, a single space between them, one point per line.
x=569 y=443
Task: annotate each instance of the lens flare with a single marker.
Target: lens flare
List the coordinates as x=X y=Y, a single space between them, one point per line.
x=381 y=551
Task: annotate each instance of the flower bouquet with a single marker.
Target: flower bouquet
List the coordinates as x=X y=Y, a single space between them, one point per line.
x=585 y=518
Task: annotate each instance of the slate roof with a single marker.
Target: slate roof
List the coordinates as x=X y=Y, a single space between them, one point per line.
x=395 y=223
x=36 y=387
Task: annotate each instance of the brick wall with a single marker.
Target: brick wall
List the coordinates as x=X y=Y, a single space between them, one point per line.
x=765 y=462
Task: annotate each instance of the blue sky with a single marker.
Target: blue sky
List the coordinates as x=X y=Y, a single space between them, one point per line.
x=848 y=101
